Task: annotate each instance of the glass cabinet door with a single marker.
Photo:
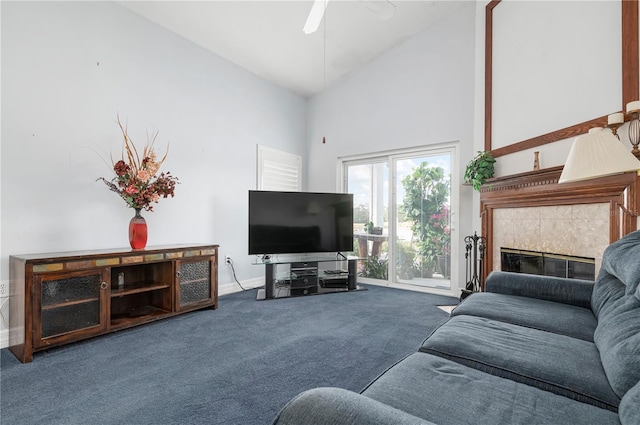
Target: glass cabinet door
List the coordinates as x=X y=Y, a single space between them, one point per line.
x=66 y=305
x=195 y=283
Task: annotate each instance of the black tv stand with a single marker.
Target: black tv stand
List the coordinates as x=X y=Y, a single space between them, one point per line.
x=304 y=276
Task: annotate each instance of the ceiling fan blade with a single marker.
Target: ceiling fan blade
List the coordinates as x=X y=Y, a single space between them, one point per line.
x=315 y=16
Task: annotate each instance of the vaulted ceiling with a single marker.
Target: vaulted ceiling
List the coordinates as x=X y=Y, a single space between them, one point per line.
x=266 y=37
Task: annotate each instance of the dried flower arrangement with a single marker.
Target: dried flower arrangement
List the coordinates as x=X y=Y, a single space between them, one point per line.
x=136 y=179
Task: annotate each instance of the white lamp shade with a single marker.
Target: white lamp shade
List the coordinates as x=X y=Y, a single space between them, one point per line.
x=597 y=154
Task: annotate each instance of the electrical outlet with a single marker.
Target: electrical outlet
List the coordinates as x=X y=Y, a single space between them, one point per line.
x=227 y=259
x=4 y=288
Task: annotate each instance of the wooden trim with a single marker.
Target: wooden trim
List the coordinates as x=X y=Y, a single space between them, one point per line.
x=554 y=136
x=528 y=178
x=630 y=77
x=487 y=229
x=119 y=255
x=541 y=188
x=488 y=73
x=630 y=61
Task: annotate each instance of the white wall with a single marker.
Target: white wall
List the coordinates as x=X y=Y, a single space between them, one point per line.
x=553 y=154
x=419 y=93
x=68 y=69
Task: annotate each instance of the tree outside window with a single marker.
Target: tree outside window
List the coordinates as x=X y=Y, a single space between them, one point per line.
x=425 y=207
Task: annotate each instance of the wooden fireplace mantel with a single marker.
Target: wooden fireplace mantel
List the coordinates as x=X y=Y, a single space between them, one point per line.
x=541 y=188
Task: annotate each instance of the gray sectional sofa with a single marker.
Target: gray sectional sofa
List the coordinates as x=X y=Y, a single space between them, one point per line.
x=529 y=350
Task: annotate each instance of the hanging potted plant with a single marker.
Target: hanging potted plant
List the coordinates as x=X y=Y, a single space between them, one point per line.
x=479 y=169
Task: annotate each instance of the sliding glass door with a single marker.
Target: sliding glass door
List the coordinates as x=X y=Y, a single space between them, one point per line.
x=423 y=220
x=403 y=205
x=369 y=183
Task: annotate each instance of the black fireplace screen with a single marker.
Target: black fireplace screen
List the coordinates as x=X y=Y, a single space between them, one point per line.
x=547 y=264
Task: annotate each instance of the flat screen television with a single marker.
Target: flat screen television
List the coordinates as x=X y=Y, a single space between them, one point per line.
x=299 y=222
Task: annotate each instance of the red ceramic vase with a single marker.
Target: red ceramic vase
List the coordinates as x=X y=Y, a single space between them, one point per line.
x=138 y=231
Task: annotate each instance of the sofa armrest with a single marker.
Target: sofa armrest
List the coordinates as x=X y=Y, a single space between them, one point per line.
x=330 y=406
x=567 y=291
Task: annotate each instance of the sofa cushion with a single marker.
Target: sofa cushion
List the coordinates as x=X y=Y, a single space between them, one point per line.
x=570 y=320
x=446 y=392
x=563 y=365
x=616 y=303
x=620 y=259
x=330 y=406
x=618 y=339
x=607 y=290
x=549 y=288
x=630 y=407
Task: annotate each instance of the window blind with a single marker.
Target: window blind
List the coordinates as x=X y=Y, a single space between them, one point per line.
x=278 y=170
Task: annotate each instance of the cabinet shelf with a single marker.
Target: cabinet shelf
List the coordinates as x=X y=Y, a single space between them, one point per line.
x=69 y=303
x=136 y=288
x=136 y=315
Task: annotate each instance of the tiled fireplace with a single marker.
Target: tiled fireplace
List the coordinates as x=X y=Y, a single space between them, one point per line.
x=532 y=212
x=572 y=230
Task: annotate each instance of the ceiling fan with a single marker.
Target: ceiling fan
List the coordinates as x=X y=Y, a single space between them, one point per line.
x=384 y=9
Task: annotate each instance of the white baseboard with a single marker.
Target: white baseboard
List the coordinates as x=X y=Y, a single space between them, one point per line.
x=232 y=287
x=4 y=338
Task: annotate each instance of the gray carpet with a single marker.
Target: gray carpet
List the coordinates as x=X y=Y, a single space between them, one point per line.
x=236 y=365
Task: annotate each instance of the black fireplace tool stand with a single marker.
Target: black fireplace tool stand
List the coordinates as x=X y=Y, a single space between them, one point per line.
x=474 y=257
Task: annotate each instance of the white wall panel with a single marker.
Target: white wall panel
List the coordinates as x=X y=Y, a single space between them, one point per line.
x=68 y=68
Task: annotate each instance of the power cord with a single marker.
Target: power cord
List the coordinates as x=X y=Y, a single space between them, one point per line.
x=233 y=270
